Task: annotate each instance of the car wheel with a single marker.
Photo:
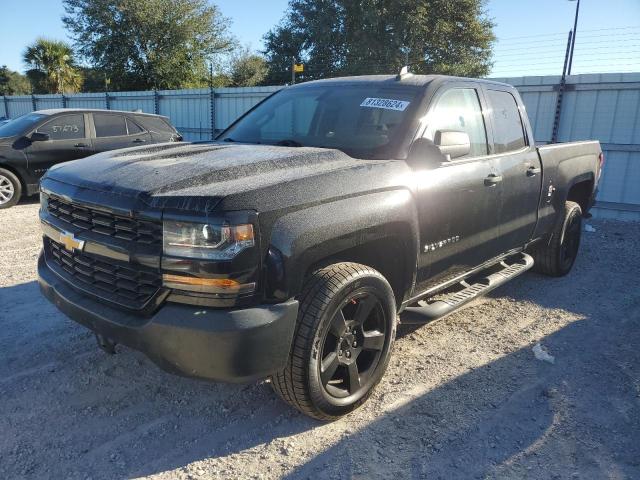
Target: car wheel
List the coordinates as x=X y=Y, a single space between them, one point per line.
x=10 y=189
x=557 y=257
x=343 y=340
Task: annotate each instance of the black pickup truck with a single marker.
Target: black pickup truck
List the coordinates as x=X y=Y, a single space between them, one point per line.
x=288 y=248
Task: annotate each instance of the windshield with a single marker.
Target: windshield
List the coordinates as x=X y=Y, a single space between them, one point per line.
x=362 y=120
x=20 y=124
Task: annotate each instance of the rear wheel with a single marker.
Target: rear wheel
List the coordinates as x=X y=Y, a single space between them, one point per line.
x=10 y=189
x=344 y=336
x=558 y=256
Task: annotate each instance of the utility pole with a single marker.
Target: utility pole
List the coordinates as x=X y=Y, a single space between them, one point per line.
x=573 y=40
x=563 y=81
x=293 y=70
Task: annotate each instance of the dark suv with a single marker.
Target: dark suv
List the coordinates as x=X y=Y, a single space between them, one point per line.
x=33 y=143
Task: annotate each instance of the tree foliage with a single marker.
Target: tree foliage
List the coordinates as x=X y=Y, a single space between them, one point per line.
x=13 y=83
x=247 y=69
x=51 y=67
x=142 y=44
x=345 y=37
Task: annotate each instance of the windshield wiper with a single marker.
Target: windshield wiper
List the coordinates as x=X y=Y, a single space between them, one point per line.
x=288 y=143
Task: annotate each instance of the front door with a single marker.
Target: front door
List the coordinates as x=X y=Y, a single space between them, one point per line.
x=519 y=164
x=458 y=201
x=67 y=141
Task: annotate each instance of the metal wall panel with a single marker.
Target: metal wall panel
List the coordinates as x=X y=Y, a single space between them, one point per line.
x=189 y=111
x=132 y=101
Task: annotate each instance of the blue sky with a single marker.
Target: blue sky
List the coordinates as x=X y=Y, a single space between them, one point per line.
x=531 y=33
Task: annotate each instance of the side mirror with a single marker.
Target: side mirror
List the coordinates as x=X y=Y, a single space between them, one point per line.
x=452 y=143
x=425 y=153
x=39 y=137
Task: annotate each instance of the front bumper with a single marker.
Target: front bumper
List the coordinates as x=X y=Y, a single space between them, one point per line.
x=222 y=345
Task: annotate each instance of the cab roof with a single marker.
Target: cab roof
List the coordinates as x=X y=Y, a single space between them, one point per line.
x=410 y=79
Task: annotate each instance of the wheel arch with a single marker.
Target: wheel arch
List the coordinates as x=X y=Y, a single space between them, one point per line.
x=379 y=231
x=581 y=192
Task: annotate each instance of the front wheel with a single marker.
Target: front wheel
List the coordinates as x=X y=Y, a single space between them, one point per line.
x=10 y=189
x=344 y=335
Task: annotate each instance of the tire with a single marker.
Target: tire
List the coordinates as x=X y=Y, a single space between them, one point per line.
x=558 y=256
x=10 y=189
x=338 y=304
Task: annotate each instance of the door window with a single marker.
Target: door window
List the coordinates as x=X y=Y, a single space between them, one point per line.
x=65 y=127
x=459 y=109
x=132 y=128
x=110 y=125
x=509 y=131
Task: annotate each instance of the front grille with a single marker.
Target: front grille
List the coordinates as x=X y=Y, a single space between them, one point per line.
x=123 y=285
x=104 y=223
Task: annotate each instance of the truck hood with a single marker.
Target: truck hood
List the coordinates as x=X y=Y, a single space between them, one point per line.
x=199 y=176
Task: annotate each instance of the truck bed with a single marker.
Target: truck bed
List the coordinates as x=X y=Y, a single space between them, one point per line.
x=565 y=165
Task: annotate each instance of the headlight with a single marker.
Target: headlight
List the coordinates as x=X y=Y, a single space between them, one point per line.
x=206 y=241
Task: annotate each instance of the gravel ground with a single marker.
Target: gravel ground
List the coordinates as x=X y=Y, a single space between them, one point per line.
x=463 y=397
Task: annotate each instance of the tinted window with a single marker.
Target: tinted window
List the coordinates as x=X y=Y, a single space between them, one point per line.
x=132 y=128
x=64 y=127
x=509 y=132
x=110 y=125
x=459 y=109
x=363 y=120
x=20 y=125
x=155 y=124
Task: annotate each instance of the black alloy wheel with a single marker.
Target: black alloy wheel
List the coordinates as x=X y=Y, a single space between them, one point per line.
x=343 y=341
x=352 y=346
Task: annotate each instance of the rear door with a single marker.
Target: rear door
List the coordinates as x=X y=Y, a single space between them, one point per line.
x=519 y=165
x=114 y=130
x=458 y=207
x=67 y=141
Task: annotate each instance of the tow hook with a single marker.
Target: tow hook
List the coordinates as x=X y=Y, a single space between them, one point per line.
x=106 y=344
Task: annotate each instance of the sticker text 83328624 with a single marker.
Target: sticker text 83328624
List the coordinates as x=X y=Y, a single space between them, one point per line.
x=386 y=103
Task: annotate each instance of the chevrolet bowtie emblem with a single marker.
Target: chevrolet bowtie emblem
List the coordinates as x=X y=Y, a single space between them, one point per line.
x=70 y=242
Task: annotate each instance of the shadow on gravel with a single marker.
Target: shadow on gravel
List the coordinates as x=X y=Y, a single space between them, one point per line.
x=515 y=417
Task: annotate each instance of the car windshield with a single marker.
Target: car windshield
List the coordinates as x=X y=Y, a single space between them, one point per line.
x=363 y=120
x=20 y=124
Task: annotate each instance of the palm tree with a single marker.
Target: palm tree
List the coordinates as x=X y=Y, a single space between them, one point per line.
x=52 y=67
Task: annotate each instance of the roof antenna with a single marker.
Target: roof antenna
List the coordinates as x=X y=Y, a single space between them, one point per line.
x=404 y=71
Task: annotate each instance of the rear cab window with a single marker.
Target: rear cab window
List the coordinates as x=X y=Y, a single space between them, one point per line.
x=509 y=132
x=64 y=127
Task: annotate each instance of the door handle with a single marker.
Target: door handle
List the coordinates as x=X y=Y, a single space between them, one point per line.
x=81 y=145
x=492 y=180
x=138 y=140
x=533 y=171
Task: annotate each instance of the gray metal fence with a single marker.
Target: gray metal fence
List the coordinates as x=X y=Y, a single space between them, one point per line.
x=600 y=106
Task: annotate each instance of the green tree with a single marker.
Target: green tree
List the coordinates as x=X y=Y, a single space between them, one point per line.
x=142 y=44
x=247 y=69
x=346 y=37
x=13 y=83
x=51 y=67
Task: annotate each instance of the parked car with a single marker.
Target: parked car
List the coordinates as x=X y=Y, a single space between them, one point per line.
x=33 y=143
x=4 y=120
x=288 y=249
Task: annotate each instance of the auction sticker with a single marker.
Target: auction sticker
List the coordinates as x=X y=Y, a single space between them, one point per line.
x=386 y=103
